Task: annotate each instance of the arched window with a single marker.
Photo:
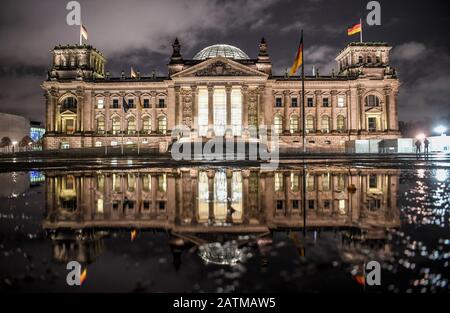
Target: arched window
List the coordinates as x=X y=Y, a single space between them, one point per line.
x=325 y=124
x=162 y=125
x=377 y=59
x=310 y=124
x=369 y=59
x=341 y=123
x=69 y=103
x=131 y=125
x=360 y=59
x=115 y=125
x=372 y=101
x=100 y=125
x=294 y=124
x=146 y=125
x=278 y=124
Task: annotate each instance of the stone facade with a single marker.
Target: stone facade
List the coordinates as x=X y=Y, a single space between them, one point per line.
x=222 y=95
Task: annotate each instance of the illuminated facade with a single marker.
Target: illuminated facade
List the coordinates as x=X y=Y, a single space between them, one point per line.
x=221 y=91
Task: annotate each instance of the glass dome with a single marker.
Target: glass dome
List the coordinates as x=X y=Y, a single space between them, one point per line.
x=226 y=51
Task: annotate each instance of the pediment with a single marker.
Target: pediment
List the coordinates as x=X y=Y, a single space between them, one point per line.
x=374 y=110
x=219 y=66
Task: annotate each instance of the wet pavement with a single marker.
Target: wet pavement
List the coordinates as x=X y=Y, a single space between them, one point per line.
x=227 y=228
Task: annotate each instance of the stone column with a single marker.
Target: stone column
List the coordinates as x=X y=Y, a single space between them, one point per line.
x=245 y=107
x=211 y=175
x=154 y=113
x=286 y=111
x=228 y=90
x=194 y=114
x=261 y=111
x=210 y=133
x=393 y=110
x=333 y=105
x=177 y=105
x=107 y=113
x=348 y=127
x=80 y=106
x=122 y=113
x=362 y=124
x=138 y=111
x=316 y=100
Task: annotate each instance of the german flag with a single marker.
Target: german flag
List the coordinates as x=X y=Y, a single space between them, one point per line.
x=354 y=29
x=298 y=58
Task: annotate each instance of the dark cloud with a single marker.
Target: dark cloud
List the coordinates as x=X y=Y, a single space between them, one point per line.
x=139 y=33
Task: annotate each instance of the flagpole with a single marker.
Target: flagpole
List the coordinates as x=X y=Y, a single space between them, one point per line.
x=81 y=38
x=303 y=96
x=360 y=33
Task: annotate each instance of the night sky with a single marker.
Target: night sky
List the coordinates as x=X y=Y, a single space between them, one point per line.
x=139 y=33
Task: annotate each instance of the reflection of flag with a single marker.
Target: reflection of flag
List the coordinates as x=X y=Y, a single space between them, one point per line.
x=83 y=276
x=298 y=58
x=125 y=105
x=354 y=29
x=133 y=73
x=83 y=32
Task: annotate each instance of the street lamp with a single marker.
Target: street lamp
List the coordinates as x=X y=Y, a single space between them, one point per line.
x=14 y=143
x=440 y=130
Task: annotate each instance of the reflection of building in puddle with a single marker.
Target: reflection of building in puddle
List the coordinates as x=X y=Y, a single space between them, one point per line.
x=14 y=184
x=198 y=205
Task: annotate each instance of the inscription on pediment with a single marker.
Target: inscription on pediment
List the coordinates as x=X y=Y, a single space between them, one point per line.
x=220 y=68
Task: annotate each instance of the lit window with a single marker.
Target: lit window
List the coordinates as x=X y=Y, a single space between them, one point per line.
x=147 y=182
x=294 y=124
x=162 y=125
x=100 y=104
x=162 y=183
x=342 y=208
x=278 y=124
x=116 y=125
x=294 y=182
x=100 y=125
x=341 y=102
x=326 y=182
x=202 y=112
x=236 y=112
x=372 y=124
x=131 y=182
x=220 y=111
x=310 y=124
x=131 y=125
x=310 y=183
x=146 y=125
x=70 y=125
x=341 y=123
x=279 y=181
x=325 y=124
x=100 y=205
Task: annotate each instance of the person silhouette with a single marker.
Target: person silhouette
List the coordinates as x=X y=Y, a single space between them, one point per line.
x=426 y=144
x=418 y=146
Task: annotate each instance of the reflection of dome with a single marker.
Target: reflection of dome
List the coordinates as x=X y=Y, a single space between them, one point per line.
x=221 y=254
x=222 y=50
